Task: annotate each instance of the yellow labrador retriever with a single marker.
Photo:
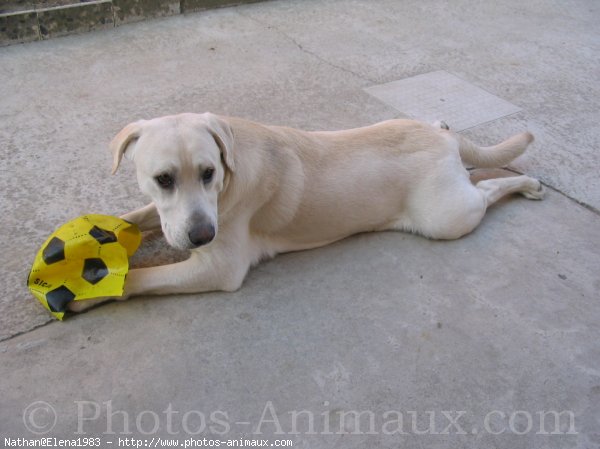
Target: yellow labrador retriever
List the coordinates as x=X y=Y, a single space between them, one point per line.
x=235 y=192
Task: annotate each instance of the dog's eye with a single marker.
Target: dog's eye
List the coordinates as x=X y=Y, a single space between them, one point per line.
x=165 y=180
x=207 y=175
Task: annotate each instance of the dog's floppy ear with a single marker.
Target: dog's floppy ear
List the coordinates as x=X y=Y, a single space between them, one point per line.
x=119 y=145
x=221 y=131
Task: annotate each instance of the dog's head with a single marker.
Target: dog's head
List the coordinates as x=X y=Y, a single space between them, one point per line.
x=182 y=162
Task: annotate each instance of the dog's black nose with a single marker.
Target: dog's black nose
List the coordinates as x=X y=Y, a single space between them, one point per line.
x=201 y=234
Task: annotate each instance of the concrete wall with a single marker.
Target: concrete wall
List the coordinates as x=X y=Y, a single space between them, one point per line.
x=46 y=23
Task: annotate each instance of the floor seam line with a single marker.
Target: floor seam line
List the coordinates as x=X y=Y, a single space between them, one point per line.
x=269 y=26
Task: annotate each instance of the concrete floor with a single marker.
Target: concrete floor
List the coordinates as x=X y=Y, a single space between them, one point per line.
x=501 y=324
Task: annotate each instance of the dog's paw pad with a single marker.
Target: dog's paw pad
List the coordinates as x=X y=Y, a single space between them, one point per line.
x=441 y=124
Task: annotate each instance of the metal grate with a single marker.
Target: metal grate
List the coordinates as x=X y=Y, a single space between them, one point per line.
x=443 y=96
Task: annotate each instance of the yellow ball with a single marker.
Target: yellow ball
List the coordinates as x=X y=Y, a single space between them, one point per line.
x=86 y=258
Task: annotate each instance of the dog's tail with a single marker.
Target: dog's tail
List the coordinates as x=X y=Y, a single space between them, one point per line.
x=494 y=156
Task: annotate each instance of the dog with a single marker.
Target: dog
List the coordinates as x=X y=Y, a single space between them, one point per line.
x=234 y=192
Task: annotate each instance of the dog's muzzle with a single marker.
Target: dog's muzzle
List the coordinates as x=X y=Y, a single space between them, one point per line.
x=201 y=234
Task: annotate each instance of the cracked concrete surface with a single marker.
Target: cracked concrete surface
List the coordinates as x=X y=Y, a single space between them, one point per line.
x=504 y=319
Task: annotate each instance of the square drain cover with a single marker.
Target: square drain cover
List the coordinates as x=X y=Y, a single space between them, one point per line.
x=443 y=96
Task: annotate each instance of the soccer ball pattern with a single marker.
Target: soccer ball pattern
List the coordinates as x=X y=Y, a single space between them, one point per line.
x=85 y=258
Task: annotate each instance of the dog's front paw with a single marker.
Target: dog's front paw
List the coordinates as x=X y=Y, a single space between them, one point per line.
x=85 y=304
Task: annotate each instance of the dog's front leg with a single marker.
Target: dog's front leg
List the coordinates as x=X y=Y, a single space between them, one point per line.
x=204 y=271
x=146 y=217
x=212 y=269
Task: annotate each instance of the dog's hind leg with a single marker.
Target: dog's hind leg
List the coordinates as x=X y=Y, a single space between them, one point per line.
x=494 y=189
x=459 y=208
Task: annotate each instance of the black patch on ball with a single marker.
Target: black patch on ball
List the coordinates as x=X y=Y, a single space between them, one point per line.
x=102 y=235
x=94 y=270
x=58 y=298
x=54 y=251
